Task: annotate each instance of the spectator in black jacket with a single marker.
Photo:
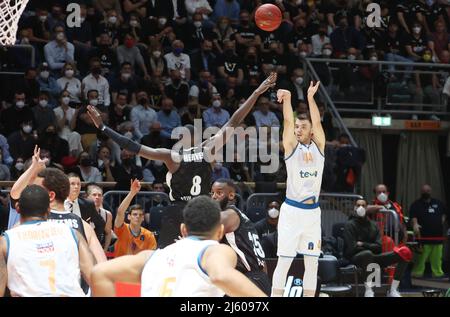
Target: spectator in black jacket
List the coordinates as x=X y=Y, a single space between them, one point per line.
x=349 y=160
x=13 y=117
x=267 y=225
x=362 y=244
x=203 y=59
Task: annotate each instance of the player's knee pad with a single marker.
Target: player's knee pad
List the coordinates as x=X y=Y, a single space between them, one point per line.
x=404 y=252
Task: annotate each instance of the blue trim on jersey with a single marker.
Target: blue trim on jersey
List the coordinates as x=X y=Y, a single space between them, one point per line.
x=199 y=259
x=74 y=235
x=32 y=222
x=301 y=205
x=7 y=245
x=318 y=148
x=295 y=149
x=195 y=238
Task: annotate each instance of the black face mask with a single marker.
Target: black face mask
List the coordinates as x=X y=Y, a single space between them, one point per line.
x=143 y=101
x=228 y=52
x=85 y=162
x=167 y=111
x=127 y=161
x=245 y=22
x=426 y=196
x=96 y=70
x=193 y=110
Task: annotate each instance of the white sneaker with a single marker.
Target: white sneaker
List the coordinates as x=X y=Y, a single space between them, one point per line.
x=414 y=117
x=434 y=117
x=394 y=293
x=369 y=293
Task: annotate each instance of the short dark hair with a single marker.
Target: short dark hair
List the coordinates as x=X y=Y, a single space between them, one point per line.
x=304 y=116
x=201 y=215
x=56 y=181
x=227 y=182
x=34 y=201
x=91 y=186
x=135 y=207
x=73 y=175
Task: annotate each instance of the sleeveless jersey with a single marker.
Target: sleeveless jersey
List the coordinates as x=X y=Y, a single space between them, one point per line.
x=245 y=242
x=304 y=173
x=193 y=177
x=175 y=271
x=69 y=219
x=43 y=260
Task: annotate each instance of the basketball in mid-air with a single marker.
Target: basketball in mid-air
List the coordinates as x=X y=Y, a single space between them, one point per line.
x=268 y=17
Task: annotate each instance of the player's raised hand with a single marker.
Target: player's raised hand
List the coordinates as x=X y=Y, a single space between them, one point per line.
x=313 y=88
x=269 y=82
x=95 y=116
x=283 y=95
x=135 y=186
x=37 y=163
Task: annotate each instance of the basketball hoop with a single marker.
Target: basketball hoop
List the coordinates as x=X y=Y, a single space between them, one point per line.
x=10 y=12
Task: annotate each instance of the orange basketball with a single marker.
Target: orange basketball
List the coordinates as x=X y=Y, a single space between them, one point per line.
x=268 y=17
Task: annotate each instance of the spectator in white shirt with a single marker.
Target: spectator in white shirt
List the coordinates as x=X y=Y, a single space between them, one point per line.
x=95 y=81
x=70 y=83
x=59 y=51
x=319 y=40
x=215 y=116
x=265 y=117
x=178 y=60
x=89 y=173
x=142 y=115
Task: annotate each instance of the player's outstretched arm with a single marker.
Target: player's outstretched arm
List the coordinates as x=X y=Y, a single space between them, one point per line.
x=219 y=261
x=135 y=187
x=239 y=115
x=124 y=269
x=130 y=145
x=3 y=268
x=289 y=139
x=29 y=175
x=86 y=258
x=318 y=133
x=93 y=243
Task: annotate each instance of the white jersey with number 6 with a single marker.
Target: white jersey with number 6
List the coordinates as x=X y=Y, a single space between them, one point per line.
x=175 y=271
x=43 y=260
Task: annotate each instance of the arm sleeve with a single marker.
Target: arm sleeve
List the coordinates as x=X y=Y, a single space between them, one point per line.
x=123 y=141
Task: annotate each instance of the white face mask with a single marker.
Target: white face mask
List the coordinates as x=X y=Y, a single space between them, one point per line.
x=126 y=75
x=20 y=104
x=162 y=21
x=417 y=29
x=361 y=211
x=27 y=128
x=69 y=73
x=303 y=54
x=299 y=80
x=43 y=103
x=216 y=103
x=273 y=213
x=351 y=57
x=198 y=24
x=42 y=18
x=65 y=100
x=326 y=52
x=128 y=134
x=112 y=20
x=82 y=19
x=382 y=197
x=157 y=54
x=19 y=166
x=93 y=102
x=60 y=36
x=134 y=23
x=44 y=74
x=374 y=58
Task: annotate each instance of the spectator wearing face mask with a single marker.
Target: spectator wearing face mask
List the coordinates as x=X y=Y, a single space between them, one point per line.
x=70 y=83
x=363 y=246
x=197 y=33
x=43 y=114
x=111 y=25
x=267 y=225
x=223 y=31
x=155 y=62
x=120 y=112
x=198 y=6
x=428 y=216
x=319 y=39
x=18 y=168
x=125 y=172
x=263 y=116
x=39 y=27
x=88 y=173
x=47 y=83
x=345 y=36
x=125 y=83
x=95 y=81
x=177 y=89
x=104 y=7
x=28 y=85
x=203 y=90
x=129 y=52
x=154 y=171
x=219 y=171
x=169 y=120
x=178 y=60
x=13 y=117
x=215 y=116
x=106 y=54
x=49 y=162
x=58 y=51
x=246 y=34
x=416 y=43
x=105 y=163
x=22 y=142
x=229 y=63
x=296 y=84
x=50 y=141
x=142 y=115
x=203 y=59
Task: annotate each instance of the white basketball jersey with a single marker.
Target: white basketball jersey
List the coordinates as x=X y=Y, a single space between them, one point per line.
x=304 y=172
x=175 y=271
x=43 y=260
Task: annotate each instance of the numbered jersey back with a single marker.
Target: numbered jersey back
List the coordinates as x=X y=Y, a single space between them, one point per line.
x=175 y=271
x=43 y=260
x=193 y=177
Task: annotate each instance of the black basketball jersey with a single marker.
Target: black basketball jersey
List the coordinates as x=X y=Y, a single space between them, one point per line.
x=69 y=219
x=193 y=177
x=245 y=242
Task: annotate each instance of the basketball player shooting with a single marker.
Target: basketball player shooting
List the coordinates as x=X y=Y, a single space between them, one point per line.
x=299 y=227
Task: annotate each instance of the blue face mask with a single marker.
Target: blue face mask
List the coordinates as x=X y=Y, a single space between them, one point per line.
x=177 y=51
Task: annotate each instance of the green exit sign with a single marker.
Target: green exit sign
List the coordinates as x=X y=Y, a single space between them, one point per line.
x=379 y=121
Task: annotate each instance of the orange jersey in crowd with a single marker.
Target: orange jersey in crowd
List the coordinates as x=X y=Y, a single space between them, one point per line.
x=127 y=243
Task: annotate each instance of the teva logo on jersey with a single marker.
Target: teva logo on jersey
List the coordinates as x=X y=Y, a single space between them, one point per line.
x=308 y=174
x=294 y=287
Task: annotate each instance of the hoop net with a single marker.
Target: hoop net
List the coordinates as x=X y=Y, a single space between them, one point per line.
x=10 y=12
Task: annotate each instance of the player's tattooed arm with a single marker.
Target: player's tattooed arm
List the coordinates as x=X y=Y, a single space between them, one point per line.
x=239 y=115
x=3 y=269
x=318 y=133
